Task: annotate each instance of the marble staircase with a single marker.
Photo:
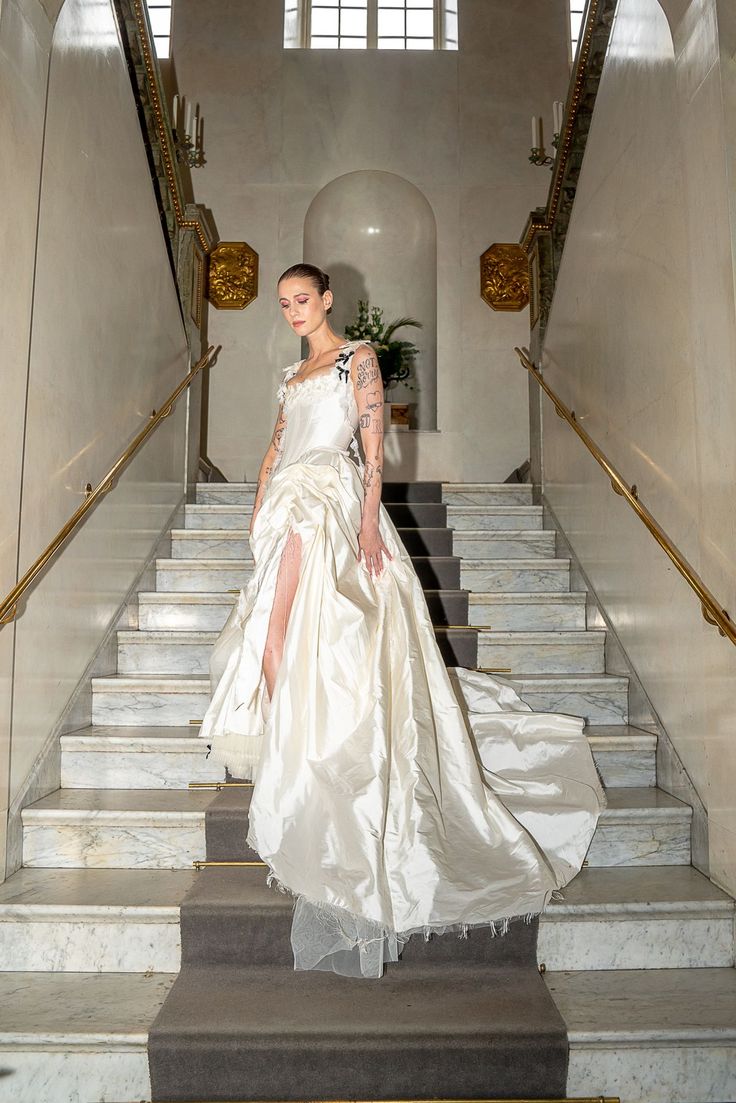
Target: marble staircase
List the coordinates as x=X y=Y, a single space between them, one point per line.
x=89 y=926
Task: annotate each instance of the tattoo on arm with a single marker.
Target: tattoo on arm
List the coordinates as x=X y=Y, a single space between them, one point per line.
x=368 y=371
x=372 y=474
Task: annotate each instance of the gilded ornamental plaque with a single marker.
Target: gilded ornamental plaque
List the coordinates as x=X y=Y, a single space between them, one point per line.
x=504 y=277
x=232 y=282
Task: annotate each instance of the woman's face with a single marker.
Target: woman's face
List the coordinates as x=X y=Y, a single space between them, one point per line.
x=302 y=305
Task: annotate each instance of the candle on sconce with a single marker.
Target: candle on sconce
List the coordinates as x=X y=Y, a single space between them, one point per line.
x=535 y=143
x=195 y=132
x=175 y=112
x=188 y=122
x=557 y=116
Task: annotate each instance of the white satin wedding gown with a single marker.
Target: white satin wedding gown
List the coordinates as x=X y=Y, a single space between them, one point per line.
x=392 y=795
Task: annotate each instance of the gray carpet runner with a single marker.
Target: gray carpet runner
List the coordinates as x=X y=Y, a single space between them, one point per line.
x=454 y=1019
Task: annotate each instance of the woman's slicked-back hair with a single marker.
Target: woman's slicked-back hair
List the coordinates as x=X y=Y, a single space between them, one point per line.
x=311 y=272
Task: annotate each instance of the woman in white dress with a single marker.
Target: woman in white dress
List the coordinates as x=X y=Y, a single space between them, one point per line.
x=391 y=796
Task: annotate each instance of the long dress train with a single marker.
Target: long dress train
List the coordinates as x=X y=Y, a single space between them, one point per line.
x=392 y=795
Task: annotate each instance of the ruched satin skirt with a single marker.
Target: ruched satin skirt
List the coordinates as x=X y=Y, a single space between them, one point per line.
x=392 y=796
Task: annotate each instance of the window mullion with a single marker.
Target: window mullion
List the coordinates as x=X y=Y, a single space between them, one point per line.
x=439 y=20
x=307 y=21
x=372 y=24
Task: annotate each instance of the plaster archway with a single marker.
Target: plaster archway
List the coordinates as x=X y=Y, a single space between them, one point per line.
x=375 y=234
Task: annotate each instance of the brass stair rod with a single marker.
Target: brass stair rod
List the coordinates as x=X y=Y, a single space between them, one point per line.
x=712 y=612
x=566 y=1099
x=9 y=606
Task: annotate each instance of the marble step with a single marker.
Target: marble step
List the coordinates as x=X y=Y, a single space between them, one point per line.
x=646 y=1036
x=598 y=698
x=407 y=514
x=468 y=543
x=116 y=828
x=208 y=612
x=82 y=1037
x=512 y=544
x=211 y=544
x=487 y=494
x=164 y=829
x=202 y=517
x=176 y=699
x=650 y=1036
x=127 y=920
x=530 y=612
x=669 y=917
x=225 y=493
x=543 y=652
x=220 y=575
x=204 y=576
x=172 y=651
x=515 y=575
x=451 y=493
x=93 y=920
x=154 y=757
x=515 y=517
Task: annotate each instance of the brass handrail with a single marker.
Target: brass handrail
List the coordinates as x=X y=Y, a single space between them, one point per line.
x=9 y=605
x=712 y=611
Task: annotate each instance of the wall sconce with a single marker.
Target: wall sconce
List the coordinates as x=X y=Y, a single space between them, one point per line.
x=188 y=142
x=539 y=155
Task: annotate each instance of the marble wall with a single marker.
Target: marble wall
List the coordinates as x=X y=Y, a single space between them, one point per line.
x=281 y=124
x=92 y=341
x=642 y=344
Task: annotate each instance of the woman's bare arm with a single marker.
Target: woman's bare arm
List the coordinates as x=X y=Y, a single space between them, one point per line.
x=268 y=462
x=368 y=386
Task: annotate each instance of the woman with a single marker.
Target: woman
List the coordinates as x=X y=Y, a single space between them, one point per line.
x=391 y=796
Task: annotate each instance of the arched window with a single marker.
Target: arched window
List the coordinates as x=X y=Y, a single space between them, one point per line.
x=371 y=24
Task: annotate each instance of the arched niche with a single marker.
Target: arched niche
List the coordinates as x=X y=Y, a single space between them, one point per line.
x=375 y=234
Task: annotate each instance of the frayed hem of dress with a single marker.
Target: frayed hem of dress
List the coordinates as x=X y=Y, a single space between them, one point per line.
x=333 y=939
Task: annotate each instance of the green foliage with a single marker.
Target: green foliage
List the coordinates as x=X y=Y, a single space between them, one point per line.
x=395 y=358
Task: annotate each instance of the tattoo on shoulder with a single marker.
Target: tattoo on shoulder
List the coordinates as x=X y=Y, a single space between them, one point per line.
x=367 y=371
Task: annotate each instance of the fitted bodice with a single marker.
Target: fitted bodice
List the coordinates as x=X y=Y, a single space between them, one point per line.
x=320 y=411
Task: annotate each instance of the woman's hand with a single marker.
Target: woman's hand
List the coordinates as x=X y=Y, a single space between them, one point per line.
x=372 y=547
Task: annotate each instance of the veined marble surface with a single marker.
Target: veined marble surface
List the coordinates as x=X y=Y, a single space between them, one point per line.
x=599 y=698
x=112 y=828
x=641 y=827
x=77 y=1036
x=543 y=652
x=164 y=652
x=494 y=517
x=525 y=575
x=213 y=544
x=625 y=755
x=485 y=544
x=149 y=699
x=495 y=494
x=186 y=612
x=119 y=757
x=650 y=1036
x=98 y=920
x=634 y=918
x=199 y=517
x=226 y=493
x=216 y=575
x=531 y=612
